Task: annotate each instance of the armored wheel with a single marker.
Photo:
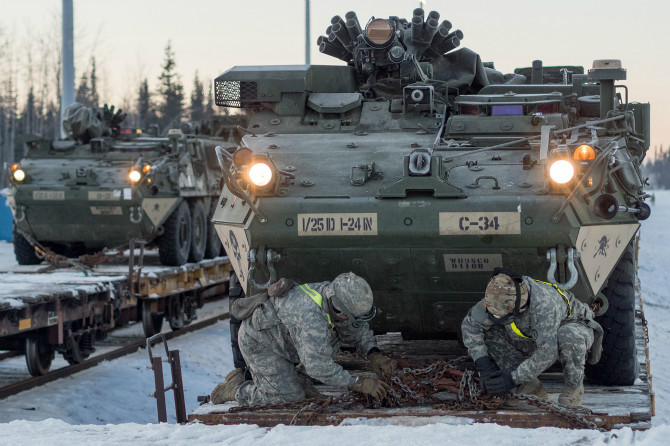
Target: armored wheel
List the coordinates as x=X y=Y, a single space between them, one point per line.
x=235 y=291
x=213 y=248
x=174 y=245
x=618 y=364
x=151 y=323
x=24 y=251
x=39 y=355
x=198 y=231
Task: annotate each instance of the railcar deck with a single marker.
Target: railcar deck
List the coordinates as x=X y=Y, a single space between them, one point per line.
x=50 y=306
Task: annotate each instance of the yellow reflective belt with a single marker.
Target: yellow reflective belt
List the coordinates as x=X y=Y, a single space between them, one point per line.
x=318 y=299
x=516 y=330
x=567 y=301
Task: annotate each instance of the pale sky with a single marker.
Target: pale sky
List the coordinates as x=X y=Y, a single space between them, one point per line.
x=128 y=37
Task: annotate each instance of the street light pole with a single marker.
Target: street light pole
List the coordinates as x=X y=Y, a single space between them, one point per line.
x=67 y=86
x=307 y=38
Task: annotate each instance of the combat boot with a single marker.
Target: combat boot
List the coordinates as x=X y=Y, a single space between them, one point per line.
x=571 y=396
x=532 y=387
x=226 y=391
x=308 y=387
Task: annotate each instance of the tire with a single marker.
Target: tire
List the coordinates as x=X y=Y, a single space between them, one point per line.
x=198 y=231
x=235 y=292
x=174 y=245
x=24 y=251
x=39 y=355
x=618 y=364
x=214 y=246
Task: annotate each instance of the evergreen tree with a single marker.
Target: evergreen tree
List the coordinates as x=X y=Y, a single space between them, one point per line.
x=209 y=108
x=197 y=100
x=144 y=105
x=87 y=90
x=29 y=117
x=171 y=92
x=82 y=95
x=93 y=96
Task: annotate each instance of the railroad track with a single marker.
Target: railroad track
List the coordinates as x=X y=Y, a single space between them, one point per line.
x=130 y=345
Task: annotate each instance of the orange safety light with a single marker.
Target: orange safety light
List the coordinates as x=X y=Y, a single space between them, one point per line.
x=146 y=168
x=14 y=167
x=584 y=152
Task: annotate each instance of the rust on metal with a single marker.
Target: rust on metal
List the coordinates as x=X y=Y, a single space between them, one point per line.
x=176 y=384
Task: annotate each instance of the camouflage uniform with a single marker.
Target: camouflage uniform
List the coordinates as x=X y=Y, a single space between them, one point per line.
x=285 y=331
x=552 y=329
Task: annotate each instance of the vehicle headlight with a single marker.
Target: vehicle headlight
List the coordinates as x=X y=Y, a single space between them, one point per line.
x=135 y=176
x=19 y=175
x=260 y=174
x=561 y=171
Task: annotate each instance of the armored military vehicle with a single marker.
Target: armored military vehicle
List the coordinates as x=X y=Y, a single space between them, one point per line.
x=421 y=168
x=105 y=185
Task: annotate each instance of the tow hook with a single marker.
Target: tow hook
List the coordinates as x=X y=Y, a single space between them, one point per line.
x=20 y=214
x=135 y=214
x=551 y=256
x=270 y=257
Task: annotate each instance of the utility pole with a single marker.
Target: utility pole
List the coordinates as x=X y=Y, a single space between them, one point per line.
x=67 y=88
x=307 y=48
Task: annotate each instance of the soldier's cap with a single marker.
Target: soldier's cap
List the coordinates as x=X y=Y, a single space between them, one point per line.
x=500 y=295
x=352 y=296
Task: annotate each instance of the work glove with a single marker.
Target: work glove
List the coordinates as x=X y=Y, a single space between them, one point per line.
x=499 y=383
x=370 y=386
x=381 y=364
x=485 y=367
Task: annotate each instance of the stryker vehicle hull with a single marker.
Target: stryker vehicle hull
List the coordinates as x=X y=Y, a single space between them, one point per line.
x=423 y=169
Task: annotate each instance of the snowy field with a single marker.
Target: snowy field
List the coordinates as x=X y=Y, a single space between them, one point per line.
x=109 y=404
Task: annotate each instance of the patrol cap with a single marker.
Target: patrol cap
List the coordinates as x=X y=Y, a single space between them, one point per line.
x=500 y=295
x=352 y=295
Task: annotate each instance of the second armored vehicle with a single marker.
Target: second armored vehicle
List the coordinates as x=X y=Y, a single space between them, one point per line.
x=105 y=185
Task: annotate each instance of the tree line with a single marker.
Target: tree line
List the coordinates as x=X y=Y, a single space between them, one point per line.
x=658 y=169
x=163 y=107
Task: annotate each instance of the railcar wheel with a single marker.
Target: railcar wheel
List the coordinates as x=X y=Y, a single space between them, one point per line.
x=214 y=248
x=174 y=245
x=198 y=231
x=177 y=318
x=618 y=364
x=24 y=251
x=151 y=323
x=39 y=355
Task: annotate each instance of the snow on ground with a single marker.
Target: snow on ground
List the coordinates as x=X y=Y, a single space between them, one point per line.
x=109 y=404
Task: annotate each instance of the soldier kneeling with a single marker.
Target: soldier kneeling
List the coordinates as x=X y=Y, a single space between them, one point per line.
x=306 y=325
x=522 y=326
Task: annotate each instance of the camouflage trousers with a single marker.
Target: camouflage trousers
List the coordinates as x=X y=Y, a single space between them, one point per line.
x=275 y=379
x=574 y=340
